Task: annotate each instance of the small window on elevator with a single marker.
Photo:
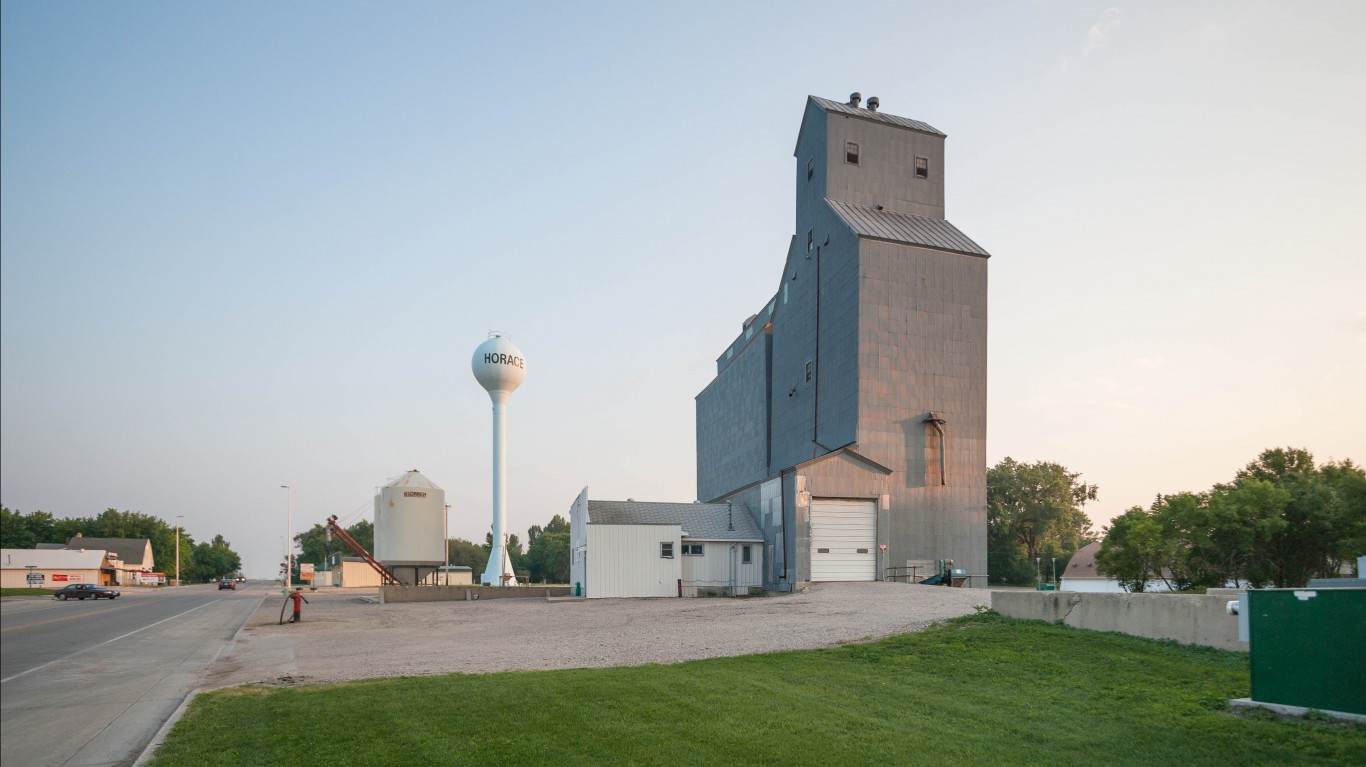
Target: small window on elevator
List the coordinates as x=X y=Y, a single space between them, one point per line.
x=851 y=153
x=810 y=370
x=810 y=168
x=922 y=167
x=810 y=239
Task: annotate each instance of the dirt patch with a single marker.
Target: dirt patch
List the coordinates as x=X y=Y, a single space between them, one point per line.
x=347 y=636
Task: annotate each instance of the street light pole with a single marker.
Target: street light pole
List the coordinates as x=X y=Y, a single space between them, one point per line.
x=289 y=535
x=177 y=547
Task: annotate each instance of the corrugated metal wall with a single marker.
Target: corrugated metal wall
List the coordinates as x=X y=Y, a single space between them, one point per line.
x=625 y=561
x=712 y=572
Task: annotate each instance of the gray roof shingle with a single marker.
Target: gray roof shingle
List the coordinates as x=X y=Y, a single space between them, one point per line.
x=129 y=551
x=700 y=521
x=901 y=227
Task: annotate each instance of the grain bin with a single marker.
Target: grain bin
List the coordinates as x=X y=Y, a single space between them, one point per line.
x=410 y=527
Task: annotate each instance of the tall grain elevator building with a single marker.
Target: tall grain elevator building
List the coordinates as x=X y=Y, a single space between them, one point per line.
x=849 y=416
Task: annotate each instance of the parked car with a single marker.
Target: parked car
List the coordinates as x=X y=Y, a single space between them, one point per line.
x=227 y=583
x=85 y=591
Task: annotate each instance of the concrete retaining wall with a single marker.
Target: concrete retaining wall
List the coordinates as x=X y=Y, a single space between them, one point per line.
x=392 y=594
x=1186 y=618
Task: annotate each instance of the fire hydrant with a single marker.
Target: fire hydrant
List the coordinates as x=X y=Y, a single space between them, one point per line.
x=298 y=596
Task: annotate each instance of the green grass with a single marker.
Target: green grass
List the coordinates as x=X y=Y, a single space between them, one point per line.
x=981 y=690
x=26 y=592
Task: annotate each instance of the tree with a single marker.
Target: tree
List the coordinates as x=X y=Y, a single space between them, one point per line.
x=1348 y=482
x=364 y=534
x=1032 y=508
x=213 y=560
x=1280 y=521
x=469 y=554
x=24 y=531
x=547 y=556
x=1133 y=549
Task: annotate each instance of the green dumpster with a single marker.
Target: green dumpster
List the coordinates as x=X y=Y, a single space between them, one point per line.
x=1305 y=647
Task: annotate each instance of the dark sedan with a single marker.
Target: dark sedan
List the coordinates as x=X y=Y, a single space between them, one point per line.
x=85 y=591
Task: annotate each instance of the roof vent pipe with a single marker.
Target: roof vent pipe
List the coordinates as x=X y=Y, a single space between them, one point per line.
x=730 y=516
x=873 y=103
x=855 y=98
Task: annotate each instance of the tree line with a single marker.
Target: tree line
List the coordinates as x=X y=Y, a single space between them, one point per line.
x=199 y=562
x=545 y=558
x=1281 y=521
x=1035 y=519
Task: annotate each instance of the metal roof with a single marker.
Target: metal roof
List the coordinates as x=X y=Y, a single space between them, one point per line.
x=882 y=117
x=1083 y=563
x=700 y=521
x=900 y=227
x=413 y=478
x=52 y=559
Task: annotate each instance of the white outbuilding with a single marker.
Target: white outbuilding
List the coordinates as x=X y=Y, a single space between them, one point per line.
x=642 y=549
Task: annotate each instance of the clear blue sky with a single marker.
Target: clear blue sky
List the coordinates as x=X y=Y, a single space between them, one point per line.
x=251 y=244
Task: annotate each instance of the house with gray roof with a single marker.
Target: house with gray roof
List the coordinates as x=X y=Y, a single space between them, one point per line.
x=131 y=558
x=650 y=549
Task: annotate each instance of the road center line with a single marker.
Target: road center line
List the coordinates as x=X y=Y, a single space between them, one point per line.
x=107 y=641
x=71 y=617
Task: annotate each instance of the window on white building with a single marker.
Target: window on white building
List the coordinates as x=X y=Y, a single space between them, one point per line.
x=692 y=550
x=745 y=555
x=851 y=153
x=666 y=550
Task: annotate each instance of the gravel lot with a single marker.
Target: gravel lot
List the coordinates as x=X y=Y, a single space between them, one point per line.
x=345 y=636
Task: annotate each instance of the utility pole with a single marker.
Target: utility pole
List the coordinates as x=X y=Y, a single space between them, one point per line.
x=177 y=547
x=289 y=537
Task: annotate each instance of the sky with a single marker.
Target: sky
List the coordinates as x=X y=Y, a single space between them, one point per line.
x=246 y=245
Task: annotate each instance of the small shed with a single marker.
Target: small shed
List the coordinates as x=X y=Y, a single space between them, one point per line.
x=354 y=572
x=652 y=549
x=452 y=575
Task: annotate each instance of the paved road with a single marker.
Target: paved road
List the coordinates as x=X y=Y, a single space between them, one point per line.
x=89 y=683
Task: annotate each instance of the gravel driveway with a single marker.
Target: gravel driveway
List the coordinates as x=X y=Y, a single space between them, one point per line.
x=345 y=636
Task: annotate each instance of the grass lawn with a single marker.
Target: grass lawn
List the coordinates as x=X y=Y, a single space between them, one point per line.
x=26 y=592
x=981 y=690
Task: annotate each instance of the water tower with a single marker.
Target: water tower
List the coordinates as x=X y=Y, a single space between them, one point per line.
x=499 y=367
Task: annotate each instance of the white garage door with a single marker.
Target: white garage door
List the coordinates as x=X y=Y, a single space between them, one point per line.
x=843 y=540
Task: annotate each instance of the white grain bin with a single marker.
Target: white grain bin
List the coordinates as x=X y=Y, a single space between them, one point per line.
x=410 y=527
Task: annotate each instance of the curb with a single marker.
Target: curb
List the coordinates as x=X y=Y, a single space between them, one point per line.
x=160 y=737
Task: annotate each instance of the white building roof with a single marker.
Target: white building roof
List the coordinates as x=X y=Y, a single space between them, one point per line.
x=700 y=521
x=51 y=559
x=414 y=479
